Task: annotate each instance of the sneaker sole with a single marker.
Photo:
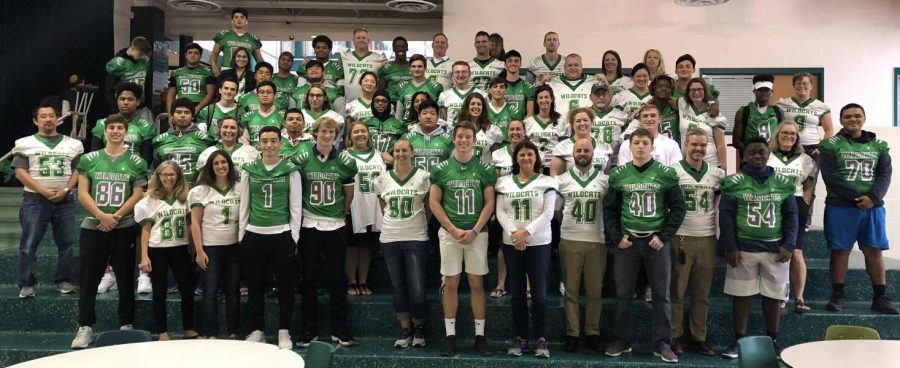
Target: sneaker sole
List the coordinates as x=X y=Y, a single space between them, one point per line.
x=337 y=340
x=513 y=353
x=617 y=354
x=402 y=345
x=417 y=344
x=542 y=355
x=730 y=356
x=26 y=296
x=660 y=356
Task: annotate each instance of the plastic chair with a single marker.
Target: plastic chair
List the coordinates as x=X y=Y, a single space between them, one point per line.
x=318 y=355
x=119 y=337
x=756 y=352
x=846 y=332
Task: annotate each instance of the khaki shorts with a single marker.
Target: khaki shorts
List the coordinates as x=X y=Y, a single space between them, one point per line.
x=758 y=273
x=454 y=255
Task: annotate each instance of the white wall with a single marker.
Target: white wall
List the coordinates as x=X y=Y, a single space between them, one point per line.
x=856 y=41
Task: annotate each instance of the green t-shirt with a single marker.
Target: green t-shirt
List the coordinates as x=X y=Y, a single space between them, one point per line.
x=212 y=122
x=285 y=84
x=760 y=124
x=139 y=131
x=334 y=71
x=857 y=162
x=428 y=151
x=385 y=133
x=394 y=74
x=463 y=185
x=323 y=183
x=643 y=195
x=253 y=122
x=191 y=83
x=517 y=96
x=127 y=69
x=270 y=203
x=183 y=148
x=229 y=40
x=111 y=182
x=758 y=205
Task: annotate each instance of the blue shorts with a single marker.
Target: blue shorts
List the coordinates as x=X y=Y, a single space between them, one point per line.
x=847 y=225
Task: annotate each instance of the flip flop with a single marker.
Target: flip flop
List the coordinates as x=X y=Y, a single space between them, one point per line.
x=498 y=293
x=353 y=289
x=800 y=307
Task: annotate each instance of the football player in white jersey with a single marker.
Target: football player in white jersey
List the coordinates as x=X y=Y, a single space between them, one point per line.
x=439 y=67
x=451 y=101
x=483 y=66
x=582 y=121
x=665 y=150
x=612 y=72
x=694 y=258
x=807 y=112
x=609 y=120
x=545 y=126
x=633 y=98
x=572 y=90
x=693 y=112
x=357 y=61
x=548 y=65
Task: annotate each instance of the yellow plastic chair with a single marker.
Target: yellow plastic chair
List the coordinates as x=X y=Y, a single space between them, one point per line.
x=846 y=332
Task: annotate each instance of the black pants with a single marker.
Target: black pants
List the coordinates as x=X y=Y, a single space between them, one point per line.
x=224 y=267
x=179 y=261
x=333 y=245
x=259 y=253
x=96 y=250
x=803 y=212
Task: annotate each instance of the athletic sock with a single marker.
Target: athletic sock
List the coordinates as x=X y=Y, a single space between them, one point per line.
x=450 y=326
x=879 y=290
x=479 y=327
x=837 y=289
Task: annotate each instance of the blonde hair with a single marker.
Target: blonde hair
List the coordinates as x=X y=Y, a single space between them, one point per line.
x=349 y=134
x=324 y=123
x=661 y=69
x=155 y=189
x=773 y=145
x=579 y=110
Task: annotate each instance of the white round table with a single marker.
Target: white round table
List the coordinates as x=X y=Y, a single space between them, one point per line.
x=175 y=353
x=843 y=353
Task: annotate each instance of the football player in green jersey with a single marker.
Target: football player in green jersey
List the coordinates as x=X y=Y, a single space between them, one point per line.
x=498 y=110
x=420 y=82
x=226 y=41
x=328 y=177
x=462 y=200
x=284 y=79
x=46 y=164
x=519 y=93
x=208 y=119
x=397 y=71
x=685 y=66
x=856 y=167
x=250 y=100
x=431 y=141
x=758 y=118
x=193 y=81
x=642 y=211
x=322 y=46
x=294 y=138
x=270 y=217
x=110 y=183
x=315 y=76
x=129 y=65
x=139 y=138
x=384 y=128
x=758 y=225
x=183 y=143
x=266 y=115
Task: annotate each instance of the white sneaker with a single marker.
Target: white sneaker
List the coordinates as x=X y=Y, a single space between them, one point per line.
x=258 y=336
x=82 y=337
x=284 y=339
x=562 y=288
x=107 y=283
x=144 y=285
x=126 y=327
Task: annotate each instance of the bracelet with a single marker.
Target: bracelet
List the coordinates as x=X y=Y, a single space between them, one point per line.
x=473 y=230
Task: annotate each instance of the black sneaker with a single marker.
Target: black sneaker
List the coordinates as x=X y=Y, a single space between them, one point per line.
x=731 y=352
x=309 y=334
x=883 y=304
x=571 y=344
x=617 y=348
x=703 y=348
x=342 y=336
x=836 y=303
x=482 y=347
x=596 y=343
x=449 y=346
x=404 y=340
x=418 y=336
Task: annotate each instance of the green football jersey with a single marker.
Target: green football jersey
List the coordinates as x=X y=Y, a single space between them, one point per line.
x=111 y=182
x=758 y=206
x=385 y=133
x=270 y=203
x=190 y=82
x=643 y=202
x=762 y=124
x=250 y=102
x=127 y=69
x=253 y=122
x=500 y=117
x=334 y=71
x=517 y=96
x=403 y=93
x=229 y=40
x=323 y=183
x=668 y=123
x=463 y=185
x=299 y=94
x=677 y=93
x=428 y=151
x=290 y=149
x=857 y=162
x=139 y=131
x=211 y=115
x=184 y=148
x=285 y=84
x=394 y=74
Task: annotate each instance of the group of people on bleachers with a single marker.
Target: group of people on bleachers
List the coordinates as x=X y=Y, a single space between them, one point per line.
x=263 y=175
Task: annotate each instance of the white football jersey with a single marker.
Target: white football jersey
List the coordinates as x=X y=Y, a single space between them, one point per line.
x=365 y=209
x=546 y=135
x=572 y=94
x=690 y=118
x=700 y=190
x=452 y=100
x=602 y=153
x=527 y=205
x=798 y=167
x=169 y=219
x=501 y=159
x=354 y=67
x=439 y=70
x=622 y=83
x=485 y=139
x=404 y=210
x=665 y=150
x=240 y=155
x=483 y=71
x=608 y=125
x=540 y=66
x=582 y=206
x=49 y=160
x=629 y=100
x=807 y=115
x=221 y=211
x=311 y=118
x=359 y=110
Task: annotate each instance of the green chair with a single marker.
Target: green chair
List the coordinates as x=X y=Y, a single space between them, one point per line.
x=119 y=337
x=318 y=355
x=846 y=332
x=756 y=352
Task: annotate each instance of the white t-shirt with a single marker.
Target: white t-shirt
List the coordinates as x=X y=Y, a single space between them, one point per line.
x=527 y=206
x=364 y=209
x=168 y=218
x=700 y=189
x=221 y=210
x=807 y=115
x=665 y=150
x=582 y=205
x=404 y=211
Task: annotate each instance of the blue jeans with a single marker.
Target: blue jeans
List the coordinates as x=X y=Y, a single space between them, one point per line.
x=406 y=261
x=34 y=215
x=534 y=262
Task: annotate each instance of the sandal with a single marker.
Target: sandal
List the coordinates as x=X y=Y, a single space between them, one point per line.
x=353 y=289
x=498 y=293
x=800 y=307
x=363 y=289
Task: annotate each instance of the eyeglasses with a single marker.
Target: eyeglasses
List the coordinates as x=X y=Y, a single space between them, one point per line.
x=789 y=134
